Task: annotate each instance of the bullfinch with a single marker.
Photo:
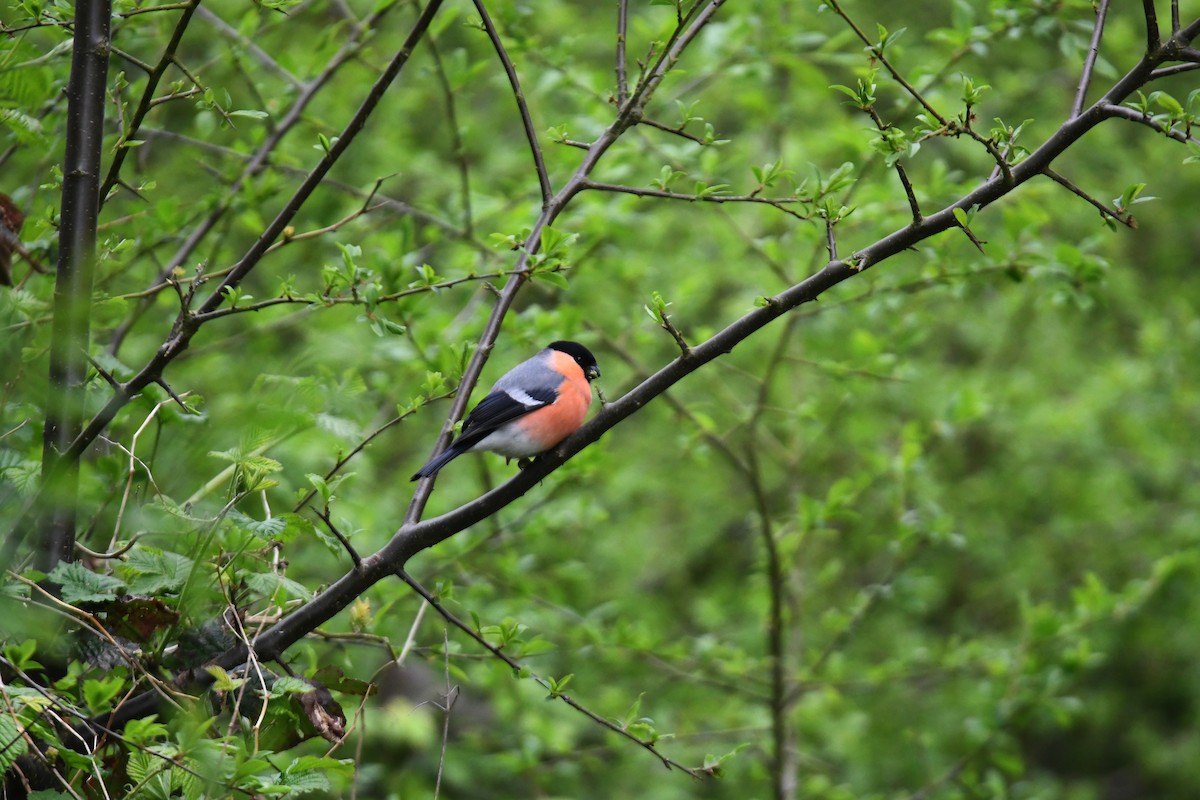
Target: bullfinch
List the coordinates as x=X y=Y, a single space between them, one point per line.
x=532 y=408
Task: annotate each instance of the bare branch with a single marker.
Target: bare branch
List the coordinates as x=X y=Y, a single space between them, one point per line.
x=1174 y=69
x=780 y=203
x=677 y=130
x=517 y=667
x=1152 y=37
x=877 y=52
x=1089 y=63
x=155 y=75
x=539 y=163
x=1133 y=115
x=913 y=205
x=622 y=73
x=1124 y=219
x=354 y=557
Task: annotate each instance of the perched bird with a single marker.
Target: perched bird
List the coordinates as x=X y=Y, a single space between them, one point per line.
x=536 y=405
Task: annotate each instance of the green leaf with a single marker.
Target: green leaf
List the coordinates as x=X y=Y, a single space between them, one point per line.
x=81 y=585
x=151 y=571
x=276 y=586
x=99 y=693
x=552 y=277
x=12 y=743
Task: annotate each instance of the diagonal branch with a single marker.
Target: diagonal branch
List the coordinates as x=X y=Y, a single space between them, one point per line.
x=517 y=667
x=1124 y=219
x=145 y=104
x=187 y=324
x=258 y=162
x=1089 y=64
x=539 y=163
x=414 y=536
x=627 y=116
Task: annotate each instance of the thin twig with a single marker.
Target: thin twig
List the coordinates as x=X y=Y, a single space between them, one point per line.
x=535 y=149
x=340 y=300
x=1124 y=219
x=1133 y=115
x=132 y=471
x=1089 y=63
x=779 y=203
x=622 y=73
x=877 y=52
x=354 y=557
x=913 y=205
x=451 y=696
x=358 y=448
x=129 y=131
x=517 y=667
x=260 y=55
x=678 y=130
x=456 y=140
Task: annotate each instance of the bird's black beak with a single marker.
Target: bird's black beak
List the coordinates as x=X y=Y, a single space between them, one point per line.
x=593 y=372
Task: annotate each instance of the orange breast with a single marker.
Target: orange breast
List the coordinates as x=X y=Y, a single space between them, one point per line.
x=550 y=425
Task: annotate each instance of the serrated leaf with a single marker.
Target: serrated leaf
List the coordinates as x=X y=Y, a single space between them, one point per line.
x=289 y=685
x=81 y=585
x=150 y=571
x=269 y=584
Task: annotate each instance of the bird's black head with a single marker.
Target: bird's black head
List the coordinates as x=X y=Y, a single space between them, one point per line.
x=583 y=357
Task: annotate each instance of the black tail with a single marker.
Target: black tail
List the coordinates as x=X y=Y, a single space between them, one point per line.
x=437 y=462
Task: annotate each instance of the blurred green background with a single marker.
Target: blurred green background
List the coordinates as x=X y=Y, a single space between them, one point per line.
x=978 y=469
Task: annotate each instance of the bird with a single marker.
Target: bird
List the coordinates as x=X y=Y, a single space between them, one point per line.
x=532 y=408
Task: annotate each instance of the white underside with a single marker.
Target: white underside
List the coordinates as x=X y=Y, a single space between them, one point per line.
x=509 y=441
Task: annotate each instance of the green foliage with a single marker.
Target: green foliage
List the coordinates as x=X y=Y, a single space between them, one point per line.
x=933 y=536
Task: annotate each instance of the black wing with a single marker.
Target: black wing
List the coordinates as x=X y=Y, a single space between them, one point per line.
x=495 y=410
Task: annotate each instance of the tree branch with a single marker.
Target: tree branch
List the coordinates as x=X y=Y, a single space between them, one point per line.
x=622 y=72
x=1152 y=36
x=186 y=324
x=627 y=115
x=1089 y=63
x=1133 y=115
x=258 y=162
x=147 y=101
x=517 y=667
x=73 y=282
x=539 y=163
x=414 y=535
x=780 y=203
